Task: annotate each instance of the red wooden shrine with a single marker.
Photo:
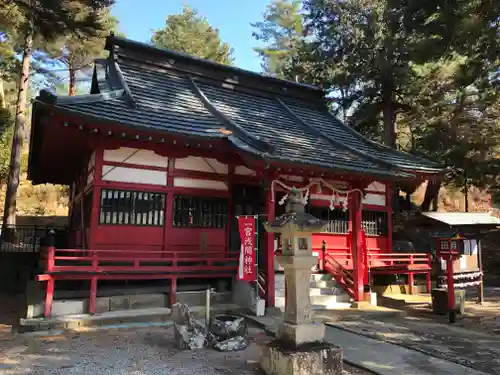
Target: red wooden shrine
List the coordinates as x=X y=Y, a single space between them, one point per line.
x=166 y=149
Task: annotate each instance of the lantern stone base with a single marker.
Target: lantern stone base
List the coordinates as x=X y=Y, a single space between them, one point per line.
x=317 y=358
x=300 y=334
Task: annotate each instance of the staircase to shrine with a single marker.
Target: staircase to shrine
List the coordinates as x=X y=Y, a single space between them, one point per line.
x=325 y=292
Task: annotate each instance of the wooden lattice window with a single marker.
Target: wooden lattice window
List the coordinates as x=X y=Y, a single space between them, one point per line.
x=375 y=223
x=125 y=207
x=338 y=220
x=199 y=212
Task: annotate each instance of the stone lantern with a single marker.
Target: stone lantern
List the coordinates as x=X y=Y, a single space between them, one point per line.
x=299 y=343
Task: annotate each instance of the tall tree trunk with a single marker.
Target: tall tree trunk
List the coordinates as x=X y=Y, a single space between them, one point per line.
x=431 y=195
x=9 y=214
x=72 y=81
x=2 y=94
x=466 y=192
x=389 y=115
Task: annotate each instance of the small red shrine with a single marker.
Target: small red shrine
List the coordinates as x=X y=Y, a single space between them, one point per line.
x=166 y=149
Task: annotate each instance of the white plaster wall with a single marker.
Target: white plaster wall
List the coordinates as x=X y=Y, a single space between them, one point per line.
x=337 y=184
x=291 y=178
x=134 y=175
x=91 y=161
x=326 y=197
x=374 y=199
x=90 y=177
x=199 y=164
x=134 y=156
x=244 y=171
x=376 y=186
x=199 y=183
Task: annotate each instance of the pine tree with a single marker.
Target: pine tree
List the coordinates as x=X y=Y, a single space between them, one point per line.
x=191 y=33
x=45 y=20
x=77 y=53
x=282 y=30
x=419 y=75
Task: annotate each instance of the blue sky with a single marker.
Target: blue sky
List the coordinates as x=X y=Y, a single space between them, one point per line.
x=138 y=19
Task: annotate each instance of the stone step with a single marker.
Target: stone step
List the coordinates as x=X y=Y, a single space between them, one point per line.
x=325 y=284
x=330 y=305
x=329 y=299
x=319 y=296
x=315 y=292
x=325 y=291
x=321 y=277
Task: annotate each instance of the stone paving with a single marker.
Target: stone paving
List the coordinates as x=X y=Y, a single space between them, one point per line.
x=470 y=348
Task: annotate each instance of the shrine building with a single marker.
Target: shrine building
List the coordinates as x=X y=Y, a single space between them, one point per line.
x=166 y=149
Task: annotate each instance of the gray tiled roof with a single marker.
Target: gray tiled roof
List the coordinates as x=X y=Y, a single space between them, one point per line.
x=331 y=126
x=163 y=102
x=265 y=118
x=171 y=100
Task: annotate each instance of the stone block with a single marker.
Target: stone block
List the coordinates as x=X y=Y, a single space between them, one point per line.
x=360 y=305
x=35 y=298
x=301 y=334
x=68 y=307
x=119 y=303
x=102 y=304
x=34 y=310
x=146 y=301
x=310 y=359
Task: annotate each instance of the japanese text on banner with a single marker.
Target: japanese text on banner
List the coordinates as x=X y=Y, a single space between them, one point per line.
x=247 y=264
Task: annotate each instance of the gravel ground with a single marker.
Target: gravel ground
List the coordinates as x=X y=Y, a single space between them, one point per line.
x=146 y=351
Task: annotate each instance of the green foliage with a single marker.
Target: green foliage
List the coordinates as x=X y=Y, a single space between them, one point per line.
x=36 y=23
x=75 y=52
x=417 y=75
x=51 y=18
x=281 y=31
x=5 y=143
x=191 y=33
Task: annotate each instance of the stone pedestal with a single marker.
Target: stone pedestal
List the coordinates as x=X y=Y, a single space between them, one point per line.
x=297 y=279
x=297 y=335
x=310 y=359
x=299 y=348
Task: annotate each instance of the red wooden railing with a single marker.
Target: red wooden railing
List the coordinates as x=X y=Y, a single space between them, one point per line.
x=340 y=265
x=123 y=261
x=336 y=265
x=261 y=284
x=386 y=263
x=95 y=265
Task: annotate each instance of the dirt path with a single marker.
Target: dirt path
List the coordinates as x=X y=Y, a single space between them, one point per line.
x=145 y=351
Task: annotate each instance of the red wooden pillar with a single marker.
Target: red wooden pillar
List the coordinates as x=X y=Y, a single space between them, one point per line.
x=428 y=280
x=49 y=292
x=269 y=250
x=96 y=196
x=356 y=244
x=451 y=287
x=411 y=278
x=388 y=205
x=169 y=205
x=167 y=226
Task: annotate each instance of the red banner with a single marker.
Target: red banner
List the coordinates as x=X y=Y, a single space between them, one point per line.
x=247 y=262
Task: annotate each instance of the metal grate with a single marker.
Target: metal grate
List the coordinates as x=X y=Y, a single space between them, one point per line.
x=26 y=238
x=125 y=207
x=199 y=212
